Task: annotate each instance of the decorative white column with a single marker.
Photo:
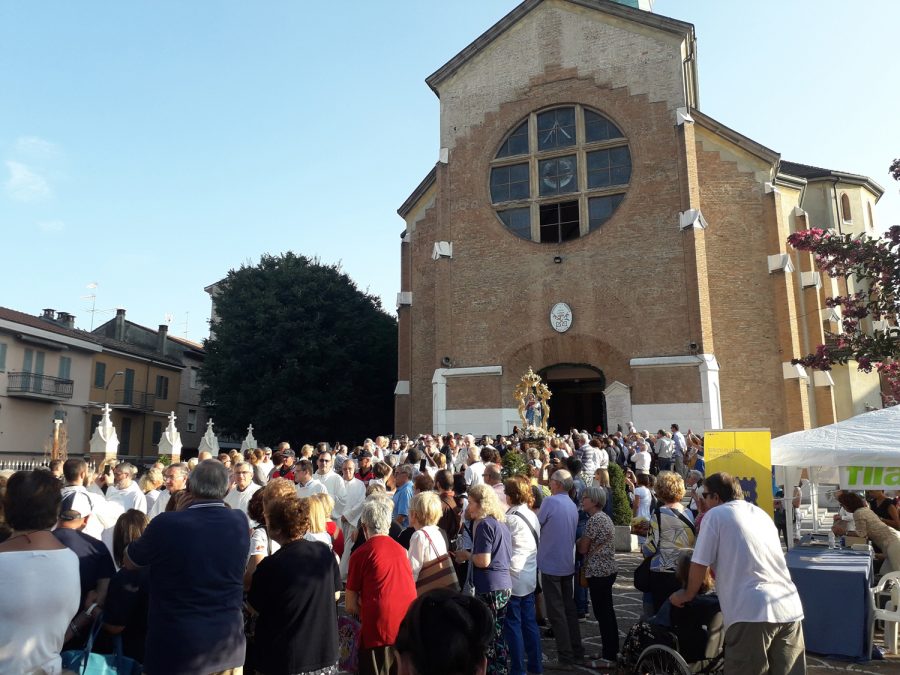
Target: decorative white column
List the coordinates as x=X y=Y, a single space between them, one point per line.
x=209 y=442
x=104 y=441
x=618 y=406
x=709 y=390
x=170 y=442
x=249 y=442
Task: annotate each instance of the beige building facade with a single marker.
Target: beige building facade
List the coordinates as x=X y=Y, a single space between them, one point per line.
x=587 y=220
x=45 y=367
x=164 y=393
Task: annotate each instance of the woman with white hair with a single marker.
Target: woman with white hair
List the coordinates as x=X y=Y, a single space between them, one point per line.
x=380 y=587
x=597 y=545
x=491 y=555
x=150 y=483
x=427 y=542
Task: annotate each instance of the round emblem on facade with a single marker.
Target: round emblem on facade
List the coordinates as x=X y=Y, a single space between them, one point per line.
x=561 y=317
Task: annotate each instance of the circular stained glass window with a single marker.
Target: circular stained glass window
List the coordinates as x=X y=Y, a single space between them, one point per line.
x=560 y=174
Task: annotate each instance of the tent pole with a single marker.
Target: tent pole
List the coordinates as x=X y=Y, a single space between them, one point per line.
x=814 y=498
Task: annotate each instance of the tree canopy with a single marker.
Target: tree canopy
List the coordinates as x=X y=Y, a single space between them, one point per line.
x=875 y=264
x=299 y=352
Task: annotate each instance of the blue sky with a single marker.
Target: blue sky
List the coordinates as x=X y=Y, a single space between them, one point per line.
x=149 y=147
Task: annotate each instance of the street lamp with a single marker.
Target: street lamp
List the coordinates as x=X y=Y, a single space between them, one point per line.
x=106 y=389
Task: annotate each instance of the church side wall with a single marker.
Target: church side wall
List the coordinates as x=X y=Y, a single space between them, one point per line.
x=745 y=324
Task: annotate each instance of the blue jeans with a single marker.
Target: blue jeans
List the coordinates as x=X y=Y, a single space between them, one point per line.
x=522 y=636
x=581 y=594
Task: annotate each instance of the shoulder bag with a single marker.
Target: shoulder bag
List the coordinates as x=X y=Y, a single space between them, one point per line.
x=436 y=573
x=537 y=542
x=86 y=662
x=642 y=572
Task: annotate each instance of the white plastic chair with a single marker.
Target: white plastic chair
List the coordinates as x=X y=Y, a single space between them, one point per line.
x=890 y=615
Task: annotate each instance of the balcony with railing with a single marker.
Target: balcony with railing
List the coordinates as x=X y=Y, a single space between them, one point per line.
x=139 y=400
x=41 y=387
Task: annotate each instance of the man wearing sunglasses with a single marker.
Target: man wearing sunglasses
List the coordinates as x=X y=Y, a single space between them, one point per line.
x=760 y=604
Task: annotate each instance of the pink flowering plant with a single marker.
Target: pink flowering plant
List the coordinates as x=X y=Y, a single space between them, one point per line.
x=874 y=263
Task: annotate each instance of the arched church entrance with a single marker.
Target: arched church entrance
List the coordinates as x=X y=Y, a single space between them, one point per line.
x=577 y=400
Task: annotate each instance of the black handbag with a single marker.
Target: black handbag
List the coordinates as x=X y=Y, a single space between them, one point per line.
x=642 y=576
x=642 y=571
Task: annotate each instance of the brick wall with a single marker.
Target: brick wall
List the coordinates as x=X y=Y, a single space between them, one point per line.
x=745 y=323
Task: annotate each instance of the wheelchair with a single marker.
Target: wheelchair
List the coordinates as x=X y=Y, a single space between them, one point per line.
x=668 y=657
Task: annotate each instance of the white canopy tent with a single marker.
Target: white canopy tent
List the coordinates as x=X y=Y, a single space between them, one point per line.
x=870 y=439
x=860 y=452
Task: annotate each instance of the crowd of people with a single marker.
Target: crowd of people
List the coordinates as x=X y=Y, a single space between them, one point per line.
x=239 y=561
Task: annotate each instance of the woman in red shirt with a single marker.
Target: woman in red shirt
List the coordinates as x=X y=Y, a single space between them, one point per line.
x=380 y=588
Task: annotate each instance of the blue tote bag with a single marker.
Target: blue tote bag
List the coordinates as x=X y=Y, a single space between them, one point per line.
x=85 y=662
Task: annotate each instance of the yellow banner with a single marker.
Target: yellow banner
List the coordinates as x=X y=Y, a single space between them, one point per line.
x=746 y=455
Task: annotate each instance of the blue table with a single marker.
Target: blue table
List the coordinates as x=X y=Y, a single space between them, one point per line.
x=835 y=589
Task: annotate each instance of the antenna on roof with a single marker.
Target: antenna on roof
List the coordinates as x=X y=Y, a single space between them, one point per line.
x=93 y=298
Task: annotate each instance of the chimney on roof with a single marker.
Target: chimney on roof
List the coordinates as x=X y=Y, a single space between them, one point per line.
x=120 y=325
x=161 y=338
x=65 y=319
x=49 y=314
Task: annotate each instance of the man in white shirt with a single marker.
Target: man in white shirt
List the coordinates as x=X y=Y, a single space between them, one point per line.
x=239 y=495
x=641 y=458
x=354 y=498
x=587 y=454
x=266 y=464
x=369 y=446
x=307 y=485
x=680 y=449
x=332 y=482
x=760 y=604
x=475 y=472
x=664 y=450
x=125 y=491
x=104 y=515
x=175 y=477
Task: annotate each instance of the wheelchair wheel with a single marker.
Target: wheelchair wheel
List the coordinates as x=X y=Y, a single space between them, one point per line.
x=661 y=660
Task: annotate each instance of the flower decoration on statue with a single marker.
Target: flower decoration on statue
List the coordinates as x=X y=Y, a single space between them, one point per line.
x=532 y=396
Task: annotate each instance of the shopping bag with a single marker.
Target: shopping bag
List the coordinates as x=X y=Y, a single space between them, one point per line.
x=348 y=644
x=85 y=662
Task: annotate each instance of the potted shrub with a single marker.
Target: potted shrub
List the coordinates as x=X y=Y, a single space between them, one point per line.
x=621 y=509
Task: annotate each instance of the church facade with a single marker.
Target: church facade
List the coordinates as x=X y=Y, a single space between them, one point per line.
x=587 y=220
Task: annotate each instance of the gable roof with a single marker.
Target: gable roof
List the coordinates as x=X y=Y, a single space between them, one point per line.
x=420 y=190
x=743 y=142
x=812 y=173
x=86 y=340
x=610 y=7
x=196 y=346
x=135 y=350
x=38 y=322
x=107 y=331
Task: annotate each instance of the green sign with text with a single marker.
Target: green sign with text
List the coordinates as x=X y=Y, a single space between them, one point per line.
x=870 y=477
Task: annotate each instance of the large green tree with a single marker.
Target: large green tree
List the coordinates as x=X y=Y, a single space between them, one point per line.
x=301 y=353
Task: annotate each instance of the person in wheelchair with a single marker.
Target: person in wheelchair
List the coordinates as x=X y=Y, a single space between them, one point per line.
x=686 y=629
x=690 y=623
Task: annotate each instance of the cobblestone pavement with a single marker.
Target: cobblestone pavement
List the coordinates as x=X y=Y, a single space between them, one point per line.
x=628 y=611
